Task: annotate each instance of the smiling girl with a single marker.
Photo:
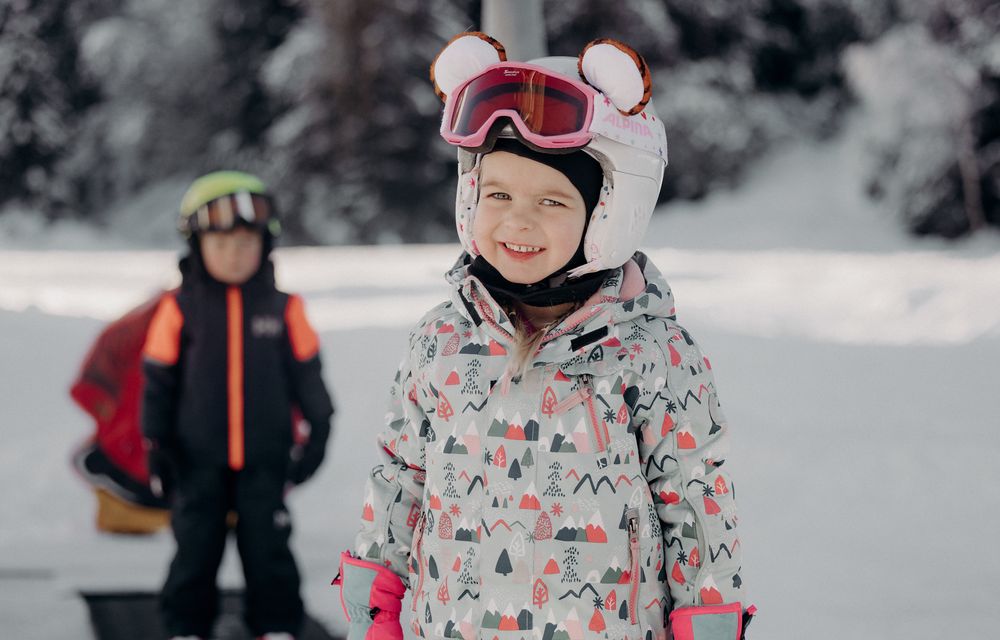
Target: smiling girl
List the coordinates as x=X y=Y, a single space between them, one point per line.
x=551 y=465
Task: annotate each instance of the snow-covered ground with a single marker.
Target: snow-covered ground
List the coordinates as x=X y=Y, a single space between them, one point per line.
x=858 y=369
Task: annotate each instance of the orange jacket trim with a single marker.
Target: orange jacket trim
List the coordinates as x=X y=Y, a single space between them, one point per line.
x=234 y=317
x=163 y=340
x=305 y=342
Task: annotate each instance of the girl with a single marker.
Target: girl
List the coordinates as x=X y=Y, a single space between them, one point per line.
x=552 y=460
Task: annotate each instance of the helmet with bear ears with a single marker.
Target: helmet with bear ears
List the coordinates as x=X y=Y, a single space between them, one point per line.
x=621 y=132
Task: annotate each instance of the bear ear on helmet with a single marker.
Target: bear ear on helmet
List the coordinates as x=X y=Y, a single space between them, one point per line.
x=463 y=58
x=619 y=72
x=612 y=67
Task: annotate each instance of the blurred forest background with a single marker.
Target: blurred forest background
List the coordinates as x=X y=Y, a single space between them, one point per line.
x=107 y=105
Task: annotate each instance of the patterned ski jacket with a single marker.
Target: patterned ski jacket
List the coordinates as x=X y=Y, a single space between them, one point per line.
x=586 y=500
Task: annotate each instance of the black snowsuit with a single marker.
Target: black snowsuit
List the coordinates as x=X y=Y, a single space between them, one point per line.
x=224 y=367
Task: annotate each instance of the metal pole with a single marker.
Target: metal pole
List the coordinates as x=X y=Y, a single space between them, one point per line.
x=519 y=25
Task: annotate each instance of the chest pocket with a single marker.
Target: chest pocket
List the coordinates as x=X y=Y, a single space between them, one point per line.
x=598 y=428
x=602 y=399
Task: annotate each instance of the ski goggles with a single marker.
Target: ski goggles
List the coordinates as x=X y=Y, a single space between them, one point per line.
x=549 y=111
x=226 y=212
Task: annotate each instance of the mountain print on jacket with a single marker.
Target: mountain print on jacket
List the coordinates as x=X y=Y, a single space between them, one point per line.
x=585 y=500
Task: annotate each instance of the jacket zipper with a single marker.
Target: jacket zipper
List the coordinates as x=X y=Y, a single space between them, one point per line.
x=418 y=538
x=632 y=516
x=586 y=395
x=602 y=442
x=234 y=375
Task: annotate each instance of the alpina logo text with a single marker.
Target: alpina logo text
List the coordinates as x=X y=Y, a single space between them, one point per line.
x=627 y=124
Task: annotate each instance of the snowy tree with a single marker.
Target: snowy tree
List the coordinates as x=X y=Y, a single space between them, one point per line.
x=41 y=96
x=108 y=107
x=361 y=140
x=647 y=26
x=919 y=96
x=923 y=88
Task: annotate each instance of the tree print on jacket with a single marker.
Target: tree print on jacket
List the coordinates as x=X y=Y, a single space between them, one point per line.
x=579 y=502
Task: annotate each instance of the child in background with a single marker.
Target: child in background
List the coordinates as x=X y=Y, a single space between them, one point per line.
x=228 y=359
x=552 y=463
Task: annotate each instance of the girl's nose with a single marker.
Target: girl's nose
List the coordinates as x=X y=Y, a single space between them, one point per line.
x=519 y=217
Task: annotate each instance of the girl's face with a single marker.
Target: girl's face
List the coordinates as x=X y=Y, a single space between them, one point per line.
x=232 y=257
x=530 y=218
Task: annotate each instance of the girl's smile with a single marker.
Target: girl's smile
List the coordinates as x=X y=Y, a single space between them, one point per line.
x=520 y=251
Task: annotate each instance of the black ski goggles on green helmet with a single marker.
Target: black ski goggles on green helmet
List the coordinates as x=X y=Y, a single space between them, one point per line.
x=226 y=212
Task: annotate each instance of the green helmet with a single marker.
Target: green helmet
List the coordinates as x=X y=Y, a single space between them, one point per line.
x=221 y=200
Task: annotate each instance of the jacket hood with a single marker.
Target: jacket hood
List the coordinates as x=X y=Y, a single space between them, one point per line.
x=587 y=339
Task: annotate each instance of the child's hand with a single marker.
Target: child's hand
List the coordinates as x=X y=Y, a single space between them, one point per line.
x=304 y=461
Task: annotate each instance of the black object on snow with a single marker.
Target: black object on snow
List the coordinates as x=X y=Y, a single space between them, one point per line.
x=135 y=615
x=97 y=469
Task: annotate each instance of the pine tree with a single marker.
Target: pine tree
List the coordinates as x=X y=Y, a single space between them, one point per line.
x=555 y=478
x=571 y=558
x=527 y=460
x=466 y=577
x=449 y=477
x=515 y=470
x=503 y=563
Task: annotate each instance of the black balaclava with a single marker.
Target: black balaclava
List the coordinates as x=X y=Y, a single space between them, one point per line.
x=585 y=173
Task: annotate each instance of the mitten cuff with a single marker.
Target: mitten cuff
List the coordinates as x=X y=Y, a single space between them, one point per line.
x=370 y=593
x=711 y=622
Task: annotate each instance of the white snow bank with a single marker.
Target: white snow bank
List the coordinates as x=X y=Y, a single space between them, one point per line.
x=921 y=297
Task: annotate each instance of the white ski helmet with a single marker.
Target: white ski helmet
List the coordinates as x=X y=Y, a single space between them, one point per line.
x=624 y=136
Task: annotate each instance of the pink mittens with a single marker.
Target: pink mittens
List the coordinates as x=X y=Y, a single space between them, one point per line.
x=372 y=597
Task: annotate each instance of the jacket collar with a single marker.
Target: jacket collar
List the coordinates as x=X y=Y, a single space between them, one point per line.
x=634 y=290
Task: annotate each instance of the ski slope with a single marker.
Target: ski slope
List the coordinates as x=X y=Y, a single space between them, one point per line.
x=858 y=370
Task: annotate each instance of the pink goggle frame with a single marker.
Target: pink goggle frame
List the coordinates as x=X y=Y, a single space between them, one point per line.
x=549 y=110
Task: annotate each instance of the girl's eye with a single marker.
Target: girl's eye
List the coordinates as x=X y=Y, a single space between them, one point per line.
x=498 y=195
x=548 y=202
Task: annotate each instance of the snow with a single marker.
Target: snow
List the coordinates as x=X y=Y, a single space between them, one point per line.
x=857 y=368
